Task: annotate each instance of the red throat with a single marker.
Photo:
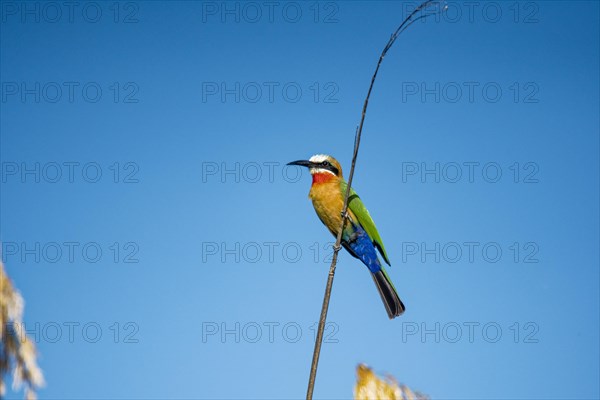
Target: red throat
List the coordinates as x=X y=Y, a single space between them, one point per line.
x=322 y=177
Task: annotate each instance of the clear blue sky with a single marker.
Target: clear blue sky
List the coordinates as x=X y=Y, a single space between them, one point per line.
x=148 y=219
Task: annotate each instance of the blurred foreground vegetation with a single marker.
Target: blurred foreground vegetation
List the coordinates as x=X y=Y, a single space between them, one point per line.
x=17 y=351
x=370 y=387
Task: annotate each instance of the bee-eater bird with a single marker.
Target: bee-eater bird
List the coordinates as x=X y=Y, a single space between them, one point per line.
x=359 y=236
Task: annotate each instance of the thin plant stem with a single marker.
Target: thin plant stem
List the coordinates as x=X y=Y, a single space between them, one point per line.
x=412 y=18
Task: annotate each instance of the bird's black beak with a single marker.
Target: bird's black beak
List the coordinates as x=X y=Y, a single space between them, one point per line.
x=302 y=163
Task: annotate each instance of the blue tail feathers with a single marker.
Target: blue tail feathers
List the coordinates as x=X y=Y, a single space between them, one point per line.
x=359 y=244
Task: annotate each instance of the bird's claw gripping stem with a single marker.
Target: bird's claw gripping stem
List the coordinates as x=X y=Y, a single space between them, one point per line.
x=345 y=214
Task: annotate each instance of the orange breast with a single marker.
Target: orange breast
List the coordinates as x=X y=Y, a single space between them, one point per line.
x=328 y=202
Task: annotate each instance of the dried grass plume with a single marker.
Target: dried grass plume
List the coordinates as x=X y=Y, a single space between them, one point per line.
x=17 y=351
x=370 y=387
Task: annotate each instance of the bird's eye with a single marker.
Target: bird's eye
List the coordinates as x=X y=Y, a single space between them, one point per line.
x=325 y=163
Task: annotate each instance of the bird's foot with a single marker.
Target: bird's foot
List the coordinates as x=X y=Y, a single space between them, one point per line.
x=345 y=214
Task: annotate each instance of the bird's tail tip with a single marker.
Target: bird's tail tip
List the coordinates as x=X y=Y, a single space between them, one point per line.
x=389 y=296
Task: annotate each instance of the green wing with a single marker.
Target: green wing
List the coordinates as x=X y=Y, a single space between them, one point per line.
x=356 y=205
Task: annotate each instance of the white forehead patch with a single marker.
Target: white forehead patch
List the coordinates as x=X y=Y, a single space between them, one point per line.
x=317 y=158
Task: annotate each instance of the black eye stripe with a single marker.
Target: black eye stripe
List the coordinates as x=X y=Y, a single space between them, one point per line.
x=329 y=166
